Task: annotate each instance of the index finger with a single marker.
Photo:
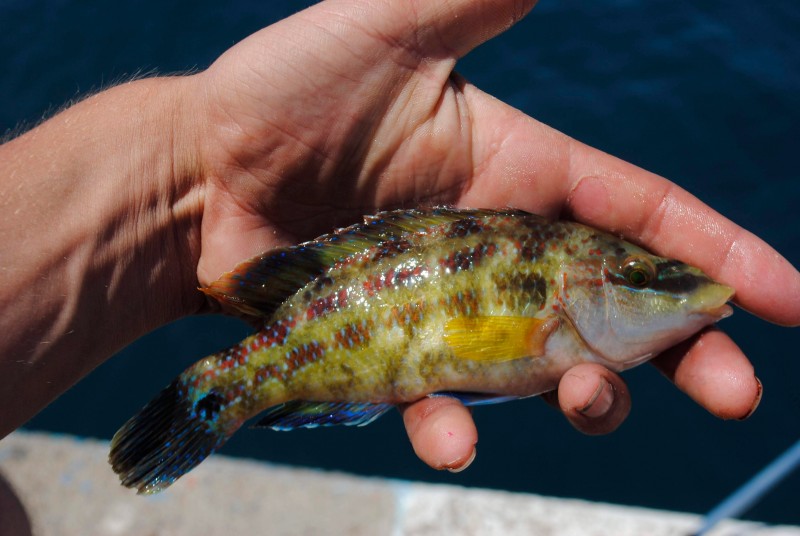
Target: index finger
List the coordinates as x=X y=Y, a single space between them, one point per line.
x=544 y=171
x=674 y=223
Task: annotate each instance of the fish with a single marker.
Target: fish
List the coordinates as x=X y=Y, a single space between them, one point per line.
x=481 y=305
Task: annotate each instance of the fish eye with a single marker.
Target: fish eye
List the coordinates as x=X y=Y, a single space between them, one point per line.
x=638 y=272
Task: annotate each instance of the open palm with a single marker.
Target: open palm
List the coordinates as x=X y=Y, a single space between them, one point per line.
x=351 y=106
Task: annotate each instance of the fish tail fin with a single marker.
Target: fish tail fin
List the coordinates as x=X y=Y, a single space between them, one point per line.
x=167 y=439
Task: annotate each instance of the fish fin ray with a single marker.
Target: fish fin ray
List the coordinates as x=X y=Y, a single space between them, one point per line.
x=474 y=399
x=305 y=414
x=162 y=442
x=495 y=339
x=258 y=286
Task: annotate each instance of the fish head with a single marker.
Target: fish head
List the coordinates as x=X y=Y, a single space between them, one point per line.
x=628 y=305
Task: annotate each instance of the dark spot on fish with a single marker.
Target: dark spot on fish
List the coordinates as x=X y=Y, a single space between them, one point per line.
x=532 y=287
x=467 y=257
x=667 y=266
x=465 y=227
x=342 y=381
x=391 y=249
x=676 y=283
x=518 y=291
x=461 y=260
x=429 y=366
x=208 y=407
x=347 y=371
x=532 y=247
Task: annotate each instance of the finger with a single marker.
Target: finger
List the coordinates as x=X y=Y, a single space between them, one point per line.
x=592 y=398
x=714 y=372
x=442 y=432
x=676 y=224
x=443 y=29
x=542 y=170
x=458 y=26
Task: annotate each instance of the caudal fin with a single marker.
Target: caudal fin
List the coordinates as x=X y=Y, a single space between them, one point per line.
x=165 y=440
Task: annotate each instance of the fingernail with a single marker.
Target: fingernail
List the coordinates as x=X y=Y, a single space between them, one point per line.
x=465 y=464
x=600 y=402
x=756 y=402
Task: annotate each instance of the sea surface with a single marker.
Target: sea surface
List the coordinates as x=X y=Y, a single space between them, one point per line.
x=705 y=93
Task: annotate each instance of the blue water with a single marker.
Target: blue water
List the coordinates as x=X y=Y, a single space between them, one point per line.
x=705 y=93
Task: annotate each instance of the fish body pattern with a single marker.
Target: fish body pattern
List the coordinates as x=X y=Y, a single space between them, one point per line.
x=482 y=305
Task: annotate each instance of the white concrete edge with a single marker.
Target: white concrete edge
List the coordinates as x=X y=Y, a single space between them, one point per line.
x=68 y=489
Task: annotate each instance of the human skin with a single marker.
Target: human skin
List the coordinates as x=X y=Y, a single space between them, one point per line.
x=116 y=209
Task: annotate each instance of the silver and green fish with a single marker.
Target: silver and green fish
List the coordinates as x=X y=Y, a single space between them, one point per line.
x=482 y=305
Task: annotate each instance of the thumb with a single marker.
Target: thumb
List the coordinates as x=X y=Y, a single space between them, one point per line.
x=441 y=28
x=459 y=26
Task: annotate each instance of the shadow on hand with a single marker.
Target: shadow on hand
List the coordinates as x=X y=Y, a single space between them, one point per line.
x=13 y=518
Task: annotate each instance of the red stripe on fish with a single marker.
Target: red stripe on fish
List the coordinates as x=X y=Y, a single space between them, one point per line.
x=301 y=356
x=326 y=304
x=391 y=249
x=462 y=228
x=275 y=333
x=406 y=314
x=460 y=303
x=295 y=359
x=355 y=334
x=392 y=278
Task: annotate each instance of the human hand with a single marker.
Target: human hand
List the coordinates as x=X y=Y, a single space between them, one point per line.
x=352 y=106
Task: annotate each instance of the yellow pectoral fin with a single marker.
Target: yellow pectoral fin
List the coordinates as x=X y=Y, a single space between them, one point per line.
x=495 y=339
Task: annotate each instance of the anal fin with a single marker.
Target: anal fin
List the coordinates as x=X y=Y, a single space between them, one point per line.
x=474 y=399
x=304 y=414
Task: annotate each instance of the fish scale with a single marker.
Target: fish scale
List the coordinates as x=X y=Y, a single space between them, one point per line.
x=397 y=288
x=482 y=305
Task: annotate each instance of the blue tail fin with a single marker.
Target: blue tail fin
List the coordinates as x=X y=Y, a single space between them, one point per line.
x=165 y=440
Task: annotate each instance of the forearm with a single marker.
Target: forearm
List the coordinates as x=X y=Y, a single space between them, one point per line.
x=97 y=239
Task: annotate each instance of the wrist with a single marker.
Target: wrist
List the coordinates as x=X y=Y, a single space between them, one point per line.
x=100 y=240
x=147 y=191
x=166 y=189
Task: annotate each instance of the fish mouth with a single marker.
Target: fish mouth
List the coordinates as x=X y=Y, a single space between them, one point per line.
x=720 y=312
x=715 y=301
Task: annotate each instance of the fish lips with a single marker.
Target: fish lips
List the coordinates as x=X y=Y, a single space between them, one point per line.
x=719 y=312
x=717 y=299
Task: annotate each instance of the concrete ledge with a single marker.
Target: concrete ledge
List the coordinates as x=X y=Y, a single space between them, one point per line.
x=68 y=489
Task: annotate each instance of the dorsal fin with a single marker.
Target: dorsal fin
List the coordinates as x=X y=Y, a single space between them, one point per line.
x=258 y=286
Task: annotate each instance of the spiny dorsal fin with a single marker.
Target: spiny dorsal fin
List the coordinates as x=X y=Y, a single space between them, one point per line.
x=258 y=286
